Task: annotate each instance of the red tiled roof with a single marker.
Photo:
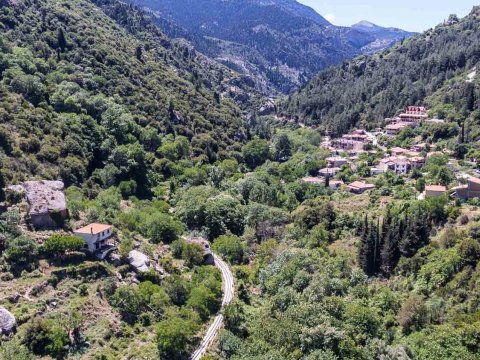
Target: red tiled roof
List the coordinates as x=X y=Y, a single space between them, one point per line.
x=435 y=188
x=474 y=180
x=314 y=180
x=93 y=229
x=361 y=185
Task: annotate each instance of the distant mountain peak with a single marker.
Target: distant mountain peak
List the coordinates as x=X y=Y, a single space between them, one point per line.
x=365 y=23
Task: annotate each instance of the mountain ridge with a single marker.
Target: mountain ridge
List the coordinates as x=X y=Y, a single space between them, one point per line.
x=280 y=44
x=368 y=89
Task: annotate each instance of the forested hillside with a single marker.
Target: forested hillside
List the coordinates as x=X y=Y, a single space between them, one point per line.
x=370 y=88
x=280 y=44
x=335 y=253
x=90 y=90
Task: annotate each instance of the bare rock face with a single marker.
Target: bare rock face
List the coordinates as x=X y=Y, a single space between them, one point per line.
x=46 y=200
x=269 y=108
x=139 y=261
x=7 y=321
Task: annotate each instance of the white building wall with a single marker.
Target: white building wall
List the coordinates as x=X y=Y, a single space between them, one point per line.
x=91 y=240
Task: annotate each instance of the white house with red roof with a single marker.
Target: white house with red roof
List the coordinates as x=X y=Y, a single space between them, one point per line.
x=95 y=235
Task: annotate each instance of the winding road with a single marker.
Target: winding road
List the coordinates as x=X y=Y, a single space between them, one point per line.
x=228 y=291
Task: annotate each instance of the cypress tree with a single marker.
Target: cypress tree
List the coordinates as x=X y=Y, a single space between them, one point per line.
x=61 y=41
x=390 y=251
x=138 y=53
x=2 y=186
x=367 y=249
x=416 y=234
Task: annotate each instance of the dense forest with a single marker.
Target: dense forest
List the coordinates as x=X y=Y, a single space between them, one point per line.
x=85 y=90
x=162 y=144
x=369 y=89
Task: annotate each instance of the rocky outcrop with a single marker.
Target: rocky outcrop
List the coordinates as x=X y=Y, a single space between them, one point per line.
x=208 y=258
x=7 y=321
x=269 y=108
x=46 y=200
x=139 y=261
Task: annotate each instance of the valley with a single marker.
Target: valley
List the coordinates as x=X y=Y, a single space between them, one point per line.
x=173 y=186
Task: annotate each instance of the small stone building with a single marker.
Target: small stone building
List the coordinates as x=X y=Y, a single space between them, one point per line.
x=435 y=191
x=469 y=191
x=359 y=187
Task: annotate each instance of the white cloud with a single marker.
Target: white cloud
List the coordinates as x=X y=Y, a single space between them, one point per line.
x=330 y=17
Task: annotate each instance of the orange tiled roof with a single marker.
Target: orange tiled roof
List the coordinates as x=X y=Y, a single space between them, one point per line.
x=93 y=229
x=435 y=188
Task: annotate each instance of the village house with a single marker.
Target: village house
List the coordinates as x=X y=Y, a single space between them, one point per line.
x=336 y=162
x=417 y=162
x=376 y=171
x=397 y=151
x=469 y=191
x=419 y=147
x=47 y=207
x=411 y=154
x=413 y=114
x=314 y=180
x=395 y=129
x=346 y=144
x=435 y=191
x=359 y=187
x=95 y=236
x=359 y=136
x=400 y=165
x=329 y=172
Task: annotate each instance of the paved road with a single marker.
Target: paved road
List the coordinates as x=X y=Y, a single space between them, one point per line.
x=228 y=291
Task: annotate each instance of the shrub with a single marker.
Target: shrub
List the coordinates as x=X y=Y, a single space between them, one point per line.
x=58 y=245
x=231 y=248
x=173 y=337
x=46 y=337
x=21 y=250
x=192 y=254
x=127 y=188
x=255 y=153
x=162 y=227
x=83 y=290
x=413 y=314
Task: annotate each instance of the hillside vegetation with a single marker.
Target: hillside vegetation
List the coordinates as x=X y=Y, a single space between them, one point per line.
x=91 y=86
x=160 y=143
x=368 y=89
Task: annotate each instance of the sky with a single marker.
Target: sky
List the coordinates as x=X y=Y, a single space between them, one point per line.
x=412 y=15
